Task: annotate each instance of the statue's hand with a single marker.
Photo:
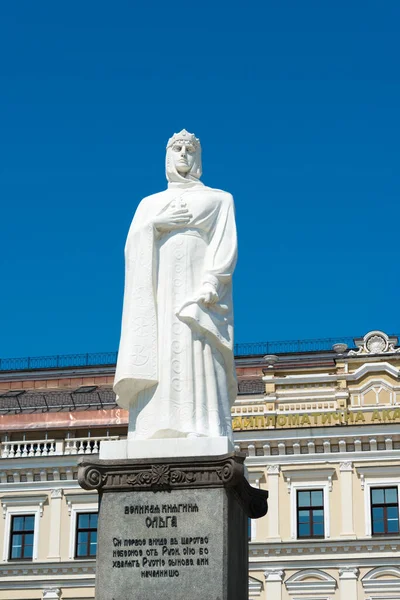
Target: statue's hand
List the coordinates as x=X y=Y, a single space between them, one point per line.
x=208 y=294
x=172 y=219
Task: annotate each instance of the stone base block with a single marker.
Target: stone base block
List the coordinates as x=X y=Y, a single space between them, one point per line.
x=166 y=447
x=173 y=529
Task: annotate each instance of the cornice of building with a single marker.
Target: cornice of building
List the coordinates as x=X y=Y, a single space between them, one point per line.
x=321 y=550
x=41 y=574
x=368 y=366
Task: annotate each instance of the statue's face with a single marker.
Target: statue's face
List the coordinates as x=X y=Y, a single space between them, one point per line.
x=183 y=155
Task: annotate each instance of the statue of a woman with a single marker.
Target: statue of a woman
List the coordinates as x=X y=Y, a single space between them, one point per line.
x=175 y=368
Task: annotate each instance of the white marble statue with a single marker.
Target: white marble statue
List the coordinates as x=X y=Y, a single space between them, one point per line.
x=175 y=368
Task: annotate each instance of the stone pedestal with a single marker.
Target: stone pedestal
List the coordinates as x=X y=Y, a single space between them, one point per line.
x=173 y=528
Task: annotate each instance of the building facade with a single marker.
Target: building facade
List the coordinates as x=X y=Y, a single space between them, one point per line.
x=321 y=430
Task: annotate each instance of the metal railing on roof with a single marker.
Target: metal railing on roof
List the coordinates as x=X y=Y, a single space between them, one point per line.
x=58 y=361
x=290 y=346
x=98 y=359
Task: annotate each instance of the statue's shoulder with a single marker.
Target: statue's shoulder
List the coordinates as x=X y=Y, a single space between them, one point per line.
x=148 y=203
x=222 y=195
x=151 y=198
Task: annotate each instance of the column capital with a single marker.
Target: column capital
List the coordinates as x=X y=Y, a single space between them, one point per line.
x=56 y=493
x=51 y=594
x=346 y=466
x=348 y=573
x=273 y=469
x=274 y=575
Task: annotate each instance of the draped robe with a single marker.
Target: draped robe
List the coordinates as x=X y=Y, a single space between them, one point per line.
x=175 y=369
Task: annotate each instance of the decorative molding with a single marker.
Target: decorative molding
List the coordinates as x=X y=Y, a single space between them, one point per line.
x=46 y=575
x=324 y=547
x=56 y=493
x=17 y=501
x=83 y=499
x=309 y=474
x=274 y=575
x=273 y=470
x=159 y=474
x=358 y=448
x=251 y=450
x=346 y=467
x=300 y=583
x=373 y=581
x=52 y=594
x=255 y=477
x=372 y=367
x=378 y=471
x=375 y=342
x=305 y=378
x=348 y=573
x=255 y=587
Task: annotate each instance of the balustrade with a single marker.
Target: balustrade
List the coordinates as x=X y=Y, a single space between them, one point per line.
x=85 y=445
x=28 y=449
x=51 y=447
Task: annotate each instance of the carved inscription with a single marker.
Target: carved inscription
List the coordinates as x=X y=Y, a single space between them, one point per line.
x=160 y=554
x=162 y=543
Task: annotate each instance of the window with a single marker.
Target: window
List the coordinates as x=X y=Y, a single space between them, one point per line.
x=384 y=511
x=21 y=540
x=309 y=479
x=86 y=535
x=310 y=514
x=21 y=506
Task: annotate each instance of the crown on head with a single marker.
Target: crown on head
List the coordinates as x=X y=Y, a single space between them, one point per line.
x=184 y=136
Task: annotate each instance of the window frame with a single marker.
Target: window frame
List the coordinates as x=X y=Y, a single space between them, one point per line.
x=23 y=533
x=377 y=477
x=85 y=530
x=311 y=509
x=384 y=506
x=19 y=506
x=79 y=503
x=310 y=486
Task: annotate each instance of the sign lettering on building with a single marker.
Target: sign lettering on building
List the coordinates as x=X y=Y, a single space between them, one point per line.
x=315 y=419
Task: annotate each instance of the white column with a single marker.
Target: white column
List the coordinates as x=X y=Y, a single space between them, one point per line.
x=51 y=594
x=348 y=582
x=346 y=491
x=273 y=584
x=55 y=526
x=273 y=502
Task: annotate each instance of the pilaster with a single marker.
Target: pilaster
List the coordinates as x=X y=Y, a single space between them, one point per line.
x=346 y=491
x=348 y=580
x=273 y=583
x=273 y=506
x=55 y=529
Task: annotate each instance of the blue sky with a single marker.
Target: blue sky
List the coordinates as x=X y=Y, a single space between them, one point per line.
x=297 y=107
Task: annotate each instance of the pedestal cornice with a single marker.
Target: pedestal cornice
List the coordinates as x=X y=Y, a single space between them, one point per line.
x=173 y=474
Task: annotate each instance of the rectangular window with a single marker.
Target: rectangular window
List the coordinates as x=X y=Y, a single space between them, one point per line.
x=86 y=535
x=384 y=511
x=21 y=540
x=310 y=514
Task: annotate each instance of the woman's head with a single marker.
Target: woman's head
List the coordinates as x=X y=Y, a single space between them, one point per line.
x=183 y=160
